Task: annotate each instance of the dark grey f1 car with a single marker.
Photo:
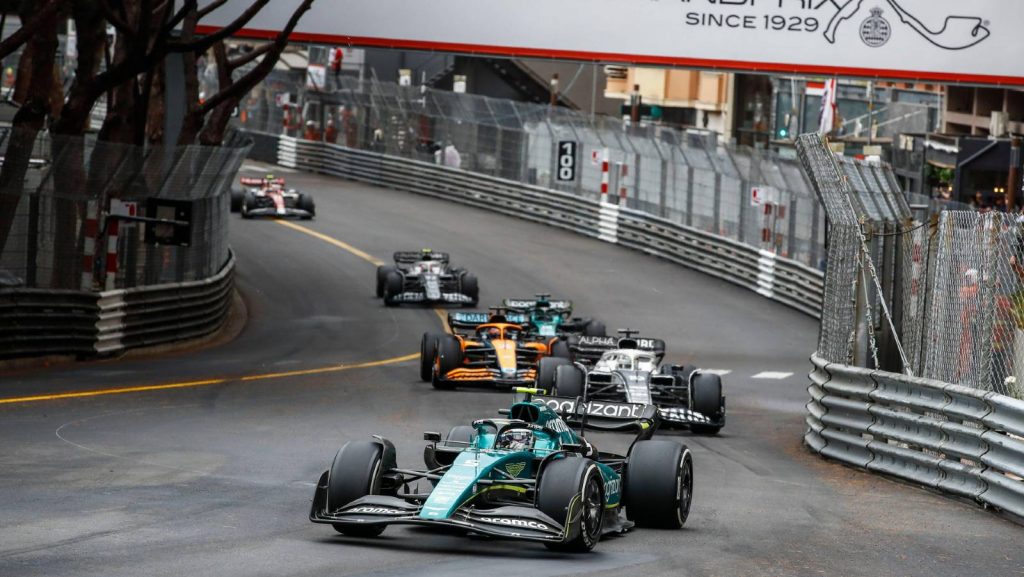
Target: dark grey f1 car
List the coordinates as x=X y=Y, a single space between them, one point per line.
x=426 y=277
x=629 y=369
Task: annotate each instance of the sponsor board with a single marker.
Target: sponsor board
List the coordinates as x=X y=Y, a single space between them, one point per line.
x=513 y=522
x=603 y=409
x=947 y=40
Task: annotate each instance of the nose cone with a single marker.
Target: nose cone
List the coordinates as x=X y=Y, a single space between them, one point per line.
x=506 y=351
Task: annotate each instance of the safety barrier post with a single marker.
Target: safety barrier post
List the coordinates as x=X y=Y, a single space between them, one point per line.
x=92 y=228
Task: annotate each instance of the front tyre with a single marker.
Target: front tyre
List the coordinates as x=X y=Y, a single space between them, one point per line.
x=571 y=491
x=658 y=484
x=382 y=275
x=305 y=202
x=449 y=358
x=706 y=392
x=428 y=352
x=355 y=473
x=546 y=372
x=595 y=329
x=569 y=381
x=393 y=286
x=471 y=288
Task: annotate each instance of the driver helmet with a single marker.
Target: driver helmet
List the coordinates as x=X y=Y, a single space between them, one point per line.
x=515 y=440
x=427 y=253
x=492 y=333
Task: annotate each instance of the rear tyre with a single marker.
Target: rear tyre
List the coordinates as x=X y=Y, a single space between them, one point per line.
x=706 y=392
x=382 y=274
x=471 y=288
x=658 y=484
x=560 y=349
x=392 y=288
x=546 y=372
x=571 y=491
x=569 y=381
x=428 y=352
x=356 y=472
x=595 y=329
x=305 y=202
x=449 y=358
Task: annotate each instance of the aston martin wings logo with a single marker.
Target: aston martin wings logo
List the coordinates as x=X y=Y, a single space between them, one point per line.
x=515 y=468
x=956 y=33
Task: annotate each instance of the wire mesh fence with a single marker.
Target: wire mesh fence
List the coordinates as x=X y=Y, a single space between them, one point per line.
x=77 y=222
x=942 y=298
x=685 y=176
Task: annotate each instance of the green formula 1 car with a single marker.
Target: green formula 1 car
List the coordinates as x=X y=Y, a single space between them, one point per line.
x=526 y=476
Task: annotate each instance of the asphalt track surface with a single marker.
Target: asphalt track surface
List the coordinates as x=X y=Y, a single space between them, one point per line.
x=215 y=476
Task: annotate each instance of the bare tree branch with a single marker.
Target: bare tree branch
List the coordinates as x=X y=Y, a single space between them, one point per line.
x=118 y=21
x=208 y=41
x=242 y=61
x=28 y=29
x=250 y=80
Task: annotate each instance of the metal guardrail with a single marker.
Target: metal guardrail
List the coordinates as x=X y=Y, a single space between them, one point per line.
x=46 y=322
x=951 y=438
x=777 y=278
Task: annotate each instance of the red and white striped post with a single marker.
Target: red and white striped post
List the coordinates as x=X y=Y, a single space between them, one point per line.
x=623 y=182
x=605 y=176
x=113 y=230
x=92 y=229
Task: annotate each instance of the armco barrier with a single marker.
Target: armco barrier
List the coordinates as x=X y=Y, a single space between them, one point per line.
x=40 y=322
x=774 y=277
x=960 y=441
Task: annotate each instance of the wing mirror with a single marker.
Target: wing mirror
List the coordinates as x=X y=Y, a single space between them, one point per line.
x=432 y=437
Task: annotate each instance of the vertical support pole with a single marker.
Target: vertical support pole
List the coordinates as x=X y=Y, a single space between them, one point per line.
x=718 y=204
x=689 y=195
x=605 y=180
x=113 y=232
x=92 y=228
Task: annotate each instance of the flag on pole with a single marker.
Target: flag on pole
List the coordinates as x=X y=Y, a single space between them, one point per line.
x=828 y=107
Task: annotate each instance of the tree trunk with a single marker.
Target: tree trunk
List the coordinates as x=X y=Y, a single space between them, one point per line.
x=27 y=124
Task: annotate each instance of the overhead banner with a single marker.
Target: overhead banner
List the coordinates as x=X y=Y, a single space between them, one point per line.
x=974 y=41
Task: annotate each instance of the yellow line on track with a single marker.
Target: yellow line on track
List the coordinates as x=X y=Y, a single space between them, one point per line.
x=443 y=315
x=333 y=241
x=205 y=383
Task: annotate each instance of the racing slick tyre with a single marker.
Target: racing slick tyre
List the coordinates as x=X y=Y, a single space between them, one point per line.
x=449 y=358
x=569 y=381
x=560 y=349
x=460 y=436
x=248 y=201
x=392 y=288
x=305 y=202
x=571 y=491
x=595 y=329
x=356 y=472
x=428 y=354
x=382 y=274
x=237 y=198
x=706 y=392
x=546 y=371
x=658 y=484
x=471 y=288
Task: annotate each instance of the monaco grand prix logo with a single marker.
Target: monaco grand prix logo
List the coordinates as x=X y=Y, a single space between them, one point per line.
x=876 y=22
x=956 y=32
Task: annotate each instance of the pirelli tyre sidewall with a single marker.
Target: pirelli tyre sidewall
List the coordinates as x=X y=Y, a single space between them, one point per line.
x=658 y=484
x=706 y=395
x=567 y=491
x=569 y=381
x=382 y=273
x=428 y=354
x=392 y=288
x=356 y=472
x=546 y=372
x=449 y=358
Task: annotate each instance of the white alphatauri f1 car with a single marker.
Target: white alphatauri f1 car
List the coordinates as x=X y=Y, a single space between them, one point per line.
x=629 y=369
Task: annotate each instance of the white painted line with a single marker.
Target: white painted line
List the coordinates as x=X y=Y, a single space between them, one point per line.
x=719 y=372
x=772 y=376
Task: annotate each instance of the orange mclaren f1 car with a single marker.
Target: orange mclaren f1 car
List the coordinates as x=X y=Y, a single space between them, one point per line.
x=484 y=350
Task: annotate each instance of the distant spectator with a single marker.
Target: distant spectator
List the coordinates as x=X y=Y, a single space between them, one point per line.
x=331 y=132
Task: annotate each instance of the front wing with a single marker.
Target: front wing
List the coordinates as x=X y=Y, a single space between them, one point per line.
x=509 y=522
x=421 y=297
x=273 y=211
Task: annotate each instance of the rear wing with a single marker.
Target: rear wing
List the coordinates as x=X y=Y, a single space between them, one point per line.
x=410 y=257
x=249 y=181
x=590 y=349
x=530 y=304
x=605 y=415
x=468 y=321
